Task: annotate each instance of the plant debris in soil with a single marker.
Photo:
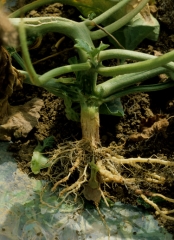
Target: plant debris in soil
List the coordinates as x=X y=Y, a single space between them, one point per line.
x=142 y=112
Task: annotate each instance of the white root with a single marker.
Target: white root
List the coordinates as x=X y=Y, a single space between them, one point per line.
x=154 y=205
x=151 y=180
x=141 y=160
x=75 y=165
x=157 y=176
x=75 y=186
x=112 y=168
x=165 y=212
x=103 y=196
x=162 y=196
x=107 y=176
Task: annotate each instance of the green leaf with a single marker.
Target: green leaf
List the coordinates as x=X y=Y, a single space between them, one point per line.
x=96 y=51
x=91 y=51
x=91 y=15
x=48 y=142
x=70 y=112
x=83 y=45
x=135 y=32
x=73 y=60
x=103 y=46
x=113 y=108
x=39 y=162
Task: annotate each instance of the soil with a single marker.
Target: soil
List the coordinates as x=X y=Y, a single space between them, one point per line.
x=137 y=107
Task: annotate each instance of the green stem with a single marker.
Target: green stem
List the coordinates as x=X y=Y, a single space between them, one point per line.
x=61 y=87
x=102 y=17
x=26 y=56
x=145 y=88
x=40 y=26
x=137 y=67
x=118 y=83
x=128 y=54
x=98 y=34
x=17 y=57
x=63 y=70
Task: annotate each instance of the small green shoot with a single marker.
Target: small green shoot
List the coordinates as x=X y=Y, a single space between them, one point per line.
x=39 y=161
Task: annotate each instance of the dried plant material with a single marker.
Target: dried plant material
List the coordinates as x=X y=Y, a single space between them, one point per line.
x=163 y=77
x=150 y=48
x=171 y=37
x=8 y=34
x=20 y=120
x=10 y=80
x=92 y=190
x=92 y=194
x=15 y=121
x=149 y=127
x=145 y=12
x=131 y=5
x=157 y=53
x=153 y=9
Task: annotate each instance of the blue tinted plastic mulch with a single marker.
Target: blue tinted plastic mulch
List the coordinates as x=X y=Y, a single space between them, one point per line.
x=24 y=217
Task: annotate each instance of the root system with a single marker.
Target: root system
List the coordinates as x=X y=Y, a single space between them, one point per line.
x=80 y=169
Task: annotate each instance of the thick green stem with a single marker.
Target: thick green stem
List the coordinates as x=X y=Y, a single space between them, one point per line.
x=90 y=124
x=63 y=70
x=128 y=54
x=142 y=88
x=120 y=82
x=40 y=26
x=26 y=56
x=137 y=67
x=58 y=87
x=119 y=23
x=104 y=16
x=16 y=56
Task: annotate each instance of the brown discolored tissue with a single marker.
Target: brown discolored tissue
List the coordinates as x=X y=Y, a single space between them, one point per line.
x=15 y=121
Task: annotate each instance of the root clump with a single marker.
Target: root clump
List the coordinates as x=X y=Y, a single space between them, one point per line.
x=79 y=168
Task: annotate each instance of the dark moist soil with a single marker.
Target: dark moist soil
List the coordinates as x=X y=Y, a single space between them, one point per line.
x=136 y=106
